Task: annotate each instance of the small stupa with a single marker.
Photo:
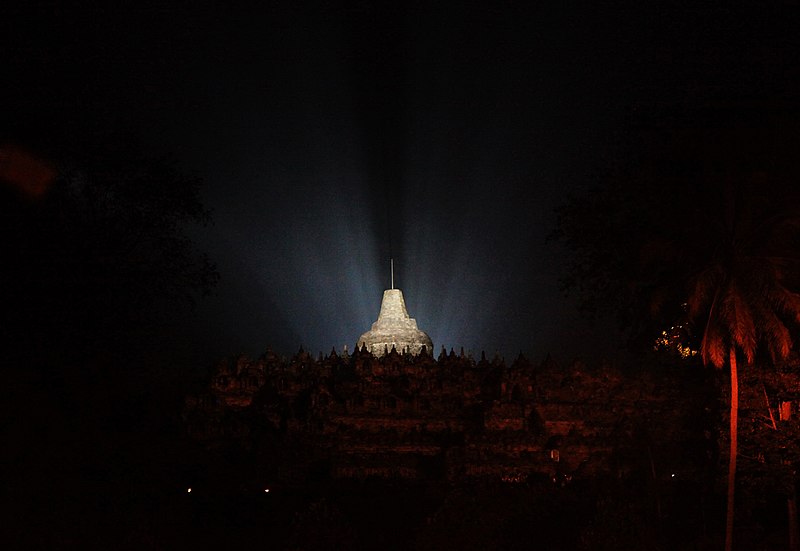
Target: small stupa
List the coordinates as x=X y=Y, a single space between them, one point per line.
x=395 y=328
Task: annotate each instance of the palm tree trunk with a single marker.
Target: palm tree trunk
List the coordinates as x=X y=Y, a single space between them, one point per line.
x=733 y=450
x=655 y=488
x=791 y=506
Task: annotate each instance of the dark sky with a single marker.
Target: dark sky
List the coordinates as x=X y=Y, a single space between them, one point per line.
x=333 y=137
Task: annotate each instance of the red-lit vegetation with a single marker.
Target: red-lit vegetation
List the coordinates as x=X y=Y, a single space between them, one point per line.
x=707 y=217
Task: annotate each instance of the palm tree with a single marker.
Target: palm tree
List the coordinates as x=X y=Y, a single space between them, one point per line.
x=743 y=302
x=708 y=215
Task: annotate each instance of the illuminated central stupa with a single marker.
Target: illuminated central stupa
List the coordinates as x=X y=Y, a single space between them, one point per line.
x=395 y=328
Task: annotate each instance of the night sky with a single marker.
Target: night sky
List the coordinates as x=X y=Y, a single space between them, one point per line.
x=331 y=138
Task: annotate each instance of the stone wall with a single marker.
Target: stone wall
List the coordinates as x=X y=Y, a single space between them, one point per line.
x=419 y=417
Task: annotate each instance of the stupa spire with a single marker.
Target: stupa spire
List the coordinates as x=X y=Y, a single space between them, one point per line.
x=394 y=327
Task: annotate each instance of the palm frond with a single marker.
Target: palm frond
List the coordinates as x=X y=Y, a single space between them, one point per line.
x=737 y=316
x=787 y=302
x=782 y=263
x=703 y=288
x=713 y=348
x=774 y=333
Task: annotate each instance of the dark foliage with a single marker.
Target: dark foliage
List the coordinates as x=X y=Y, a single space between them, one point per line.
x=705 y=186
x=102 y=253
x=97 y=264
x=707 y=230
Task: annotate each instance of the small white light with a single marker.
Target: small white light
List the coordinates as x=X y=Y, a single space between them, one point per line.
x=266 y=491
x=673 y=475
x=189 y=491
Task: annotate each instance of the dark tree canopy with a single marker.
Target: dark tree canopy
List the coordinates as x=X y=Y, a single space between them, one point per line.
x=700 y=233
x=695 y=187
x=97 y=264
x=102 y=252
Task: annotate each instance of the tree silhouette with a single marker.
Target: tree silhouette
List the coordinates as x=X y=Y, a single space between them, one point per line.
x=699 y=230
x=95 y=264
x=103 y=252
x=741 y=301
